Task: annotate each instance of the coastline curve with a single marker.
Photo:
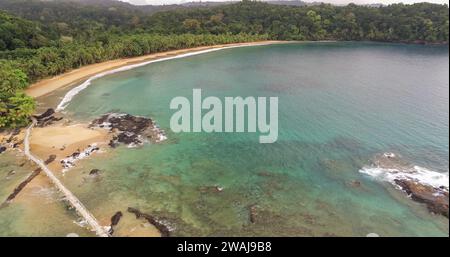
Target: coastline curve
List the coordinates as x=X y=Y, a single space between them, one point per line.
x=76 y=90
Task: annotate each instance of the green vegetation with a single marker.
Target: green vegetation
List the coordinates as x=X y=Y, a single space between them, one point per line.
x=422 y=22
x=15 y=106
x=39 y=39
x=19 y=33
x=50 y=61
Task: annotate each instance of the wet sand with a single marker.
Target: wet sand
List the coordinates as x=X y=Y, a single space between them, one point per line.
x=62 y=140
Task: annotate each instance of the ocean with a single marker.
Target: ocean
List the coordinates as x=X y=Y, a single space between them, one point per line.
x=340 y=105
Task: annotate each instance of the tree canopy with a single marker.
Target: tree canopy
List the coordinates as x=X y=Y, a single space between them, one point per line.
x=421 y=22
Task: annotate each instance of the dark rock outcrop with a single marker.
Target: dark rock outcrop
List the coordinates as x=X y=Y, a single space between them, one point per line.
x=114 y=221
x=94 y=172
x=436 y=199
x=252 y=213
x=47 y=118
x=163 y=228
x=48 y=113
x=128 y=129
x=14 y=133
x=15 y=145
x=11 y=141
x=50 y=159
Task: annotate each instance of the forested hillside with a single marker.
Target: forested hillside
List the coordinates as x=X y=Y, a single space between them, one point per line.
x=19 y=33
x=82 y=17
x=423 y=22
x=39 y=39
x=406 y=23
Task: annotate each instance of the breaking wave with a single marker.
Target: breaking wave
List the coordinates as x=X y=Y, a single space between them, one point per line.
x=389 y=167
x=416 y=173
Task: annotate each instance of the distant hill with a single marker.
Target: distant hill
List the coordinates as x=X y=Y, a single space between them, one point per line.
x=25 y=7
x=292 y=20
x=19 y=33
x=288 y=2
x=206 y=3
x=217 y=3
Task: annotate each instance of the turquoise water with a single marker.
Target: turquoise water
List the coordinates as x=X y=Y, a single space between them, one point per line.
x=339 y=105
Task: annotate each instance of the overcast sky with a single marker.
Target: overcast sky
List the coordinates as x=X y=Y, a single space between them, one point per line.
x=156 y=2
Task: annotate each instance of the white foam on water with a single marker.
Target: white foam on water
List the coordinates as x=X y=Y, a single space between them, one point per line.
x=415 y=173
x=161 y=136
x=76 y=90
x=69 y=162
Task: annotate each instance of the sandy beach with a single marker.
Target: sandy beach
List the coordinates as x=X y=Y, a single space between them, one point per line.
x=62 y=140
x=73 y=77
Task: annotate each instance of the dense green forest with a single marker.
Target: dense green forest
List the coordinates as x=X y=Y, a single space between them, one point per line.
x=399 y=23
x=40 y=39
x=422 y=22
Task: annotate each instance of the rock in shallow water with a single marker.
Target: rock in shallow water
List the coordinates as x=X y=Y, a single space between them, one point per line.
x=47 y=118
x=114 y=221
x=253 y=213
x=94 y=172
x=130 y=130
x=436 y=199
x=49 y=112
x=420 y=184
x=163 y=228
x=70 y=160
